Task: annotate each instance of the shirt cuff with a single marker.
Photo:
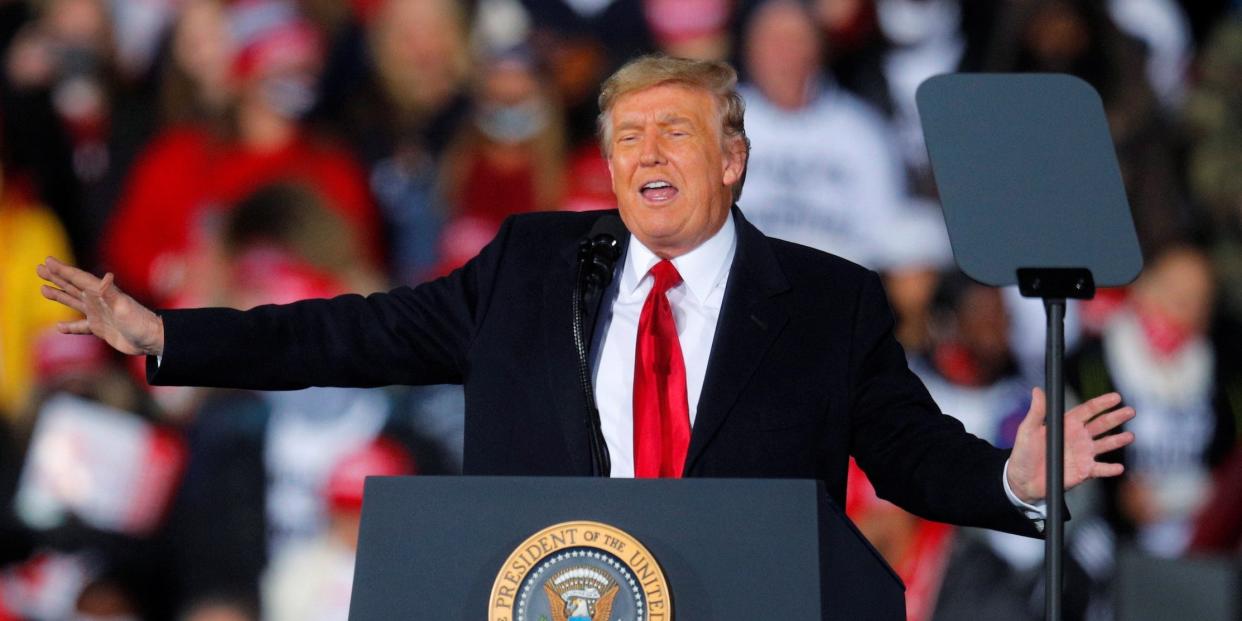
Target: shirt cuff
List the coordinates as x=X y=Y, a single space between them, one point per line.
x=1037 y=512
x=160 y=359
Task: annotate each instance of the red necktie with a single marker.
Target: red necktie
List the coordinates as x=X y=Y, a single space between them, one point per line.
x=661 y=410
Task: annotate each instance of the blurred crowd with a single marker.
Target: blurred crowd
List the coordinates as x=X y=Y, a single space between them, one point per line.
x=242 y=152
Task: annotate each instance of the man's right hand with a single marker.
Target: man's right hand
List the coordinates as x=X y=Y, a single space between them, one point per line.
x=110 y=314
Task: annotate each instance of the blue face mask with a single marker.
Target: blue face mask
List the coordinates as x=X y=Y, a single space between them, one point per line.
x=515 y=123
x=911 y=22
x=291 y=95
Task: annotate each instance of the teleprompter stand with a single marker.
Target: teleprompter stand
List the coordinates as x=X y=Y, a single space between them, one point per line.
x=1032 y=195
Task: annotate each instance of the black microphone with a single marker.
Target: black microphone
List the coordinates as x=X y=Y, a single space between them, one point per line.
x=597 y=257
x=600 y=250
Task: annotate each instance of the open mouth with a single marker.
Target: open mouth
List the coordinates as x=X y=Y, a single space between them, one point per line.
x=658 y=191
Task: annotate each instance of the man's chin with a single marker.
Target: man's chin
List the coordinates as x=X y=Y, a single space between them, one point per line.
x=668 y=241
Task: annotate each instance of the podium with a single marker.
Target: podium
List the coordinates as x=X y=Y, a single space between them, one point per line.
x=513 y=548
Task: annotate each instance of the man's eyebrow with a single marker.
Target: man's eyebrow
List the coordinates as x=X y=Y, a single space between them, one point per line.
x=631 y=124
x=664 y=120
x=675 y=119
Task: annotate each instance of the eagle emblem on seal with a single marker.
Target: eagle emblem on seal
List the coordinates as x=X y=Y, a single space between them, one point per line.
x=580 y=593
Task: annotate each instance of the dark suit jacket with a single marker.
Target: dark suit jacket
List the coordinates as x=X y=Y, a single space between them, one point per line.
x=804 y=369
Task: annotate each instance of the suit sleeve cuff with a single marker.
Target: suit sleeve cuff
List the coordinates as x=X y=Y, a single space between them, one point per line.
x=1037 y=512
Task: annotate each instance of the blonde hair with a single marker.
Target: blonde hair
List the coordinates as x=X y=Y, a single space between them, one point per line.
x=716 y=77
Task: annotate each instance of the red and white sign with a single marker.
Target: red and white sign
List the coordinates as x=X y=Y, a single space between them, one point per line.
x=110 y=468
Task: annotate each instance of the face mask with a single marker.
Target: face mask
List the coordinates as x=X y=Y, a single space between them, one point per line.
x=910 y=22
x=1165 y=337
x=513 y=124
x=292 y=96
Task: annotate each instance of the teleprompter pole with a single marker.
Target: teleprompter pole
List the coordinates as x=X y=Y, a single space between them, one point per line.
x=1054 y=527
x=1054 y=286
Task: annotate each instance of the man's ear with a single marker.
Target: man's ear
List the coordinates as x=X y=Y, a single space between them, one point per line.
x=734 y=161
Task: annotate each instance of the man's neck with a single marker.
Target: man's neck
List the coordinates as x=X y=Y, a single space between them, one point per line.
x=701 y=267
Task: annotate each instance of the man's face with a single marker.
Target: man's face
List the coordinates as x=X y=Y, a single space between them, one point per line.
x=670 y=172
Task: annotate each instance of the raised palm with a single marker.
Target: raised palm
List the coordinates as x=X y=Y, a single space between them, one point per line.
x=108 y=312
x=1089 y=433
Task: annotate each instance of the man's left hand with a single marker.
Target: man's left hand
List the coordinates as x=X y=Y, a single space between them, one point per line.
x=1088 y=434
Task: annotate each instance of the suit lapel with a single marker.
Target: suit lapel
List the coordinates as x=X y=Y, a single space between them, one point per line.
x=750 y=320
x=566 y=398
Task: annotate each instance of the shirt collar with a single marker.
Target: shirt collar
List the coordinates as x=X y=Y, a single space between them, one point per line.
x=701 y=269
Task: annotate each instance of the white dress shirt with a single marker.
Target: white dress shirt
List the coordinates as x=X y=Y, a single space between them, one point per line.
x=696 y=306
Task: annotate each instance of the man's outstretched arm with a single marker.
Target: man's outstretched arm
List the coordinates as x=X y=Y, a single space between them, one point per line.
x=405 y=336
x=410 y=335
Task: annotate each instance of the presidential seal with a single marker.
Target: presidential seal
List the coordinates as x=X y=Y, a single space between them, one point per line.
x=580 y=571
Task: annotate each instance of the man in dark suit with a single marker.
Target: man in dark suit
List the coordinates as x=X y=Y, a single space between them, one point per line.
x=718 y=352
